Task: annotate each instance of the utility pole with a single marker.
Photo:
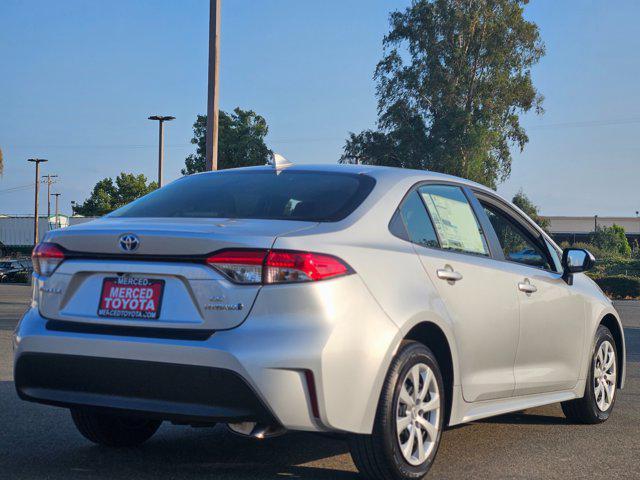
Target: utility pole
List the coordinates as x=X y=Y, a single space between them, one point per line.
x=37 y=161
x=213 y=91
x=161 y=119
x=57 y=211
x=49 y=182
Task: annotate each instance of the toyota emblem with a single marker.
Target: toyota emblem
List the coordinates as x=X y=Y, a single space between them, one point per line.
x=129 y=242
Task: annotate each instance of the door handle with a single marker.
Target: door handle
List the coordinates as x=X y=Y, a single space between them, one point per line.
x=448 y=275
x=526 y=287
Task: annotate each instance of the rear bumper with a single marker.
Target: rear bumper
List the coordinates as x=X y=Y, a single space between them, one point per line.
x=169 y=391
x=332 y=329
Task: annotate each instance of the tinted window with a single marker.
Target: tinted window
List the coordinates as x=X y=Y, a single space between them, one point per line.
x=453 y=218
x=262 y=194
x=417 y=223
x=516 y=244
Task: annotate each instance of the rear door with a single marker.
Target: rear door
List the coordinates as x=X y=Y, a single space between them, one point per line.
x=479 y=296
x=552 y=314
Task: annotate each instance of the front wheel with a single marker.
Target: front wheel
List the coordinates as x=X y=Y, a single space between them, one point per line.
x=600 y=392
x=409 y=420
x=113 y=430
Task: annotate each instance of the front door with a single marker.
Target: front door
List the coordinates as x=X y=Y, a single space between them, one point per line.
x=552 y=316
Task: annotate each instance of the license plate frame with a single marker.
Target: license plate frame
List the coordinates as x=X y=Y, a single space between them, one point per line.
x=131 y=283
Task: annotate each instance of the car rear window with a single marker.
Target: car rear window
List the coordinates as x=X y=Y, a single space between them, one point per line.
x=256 y=194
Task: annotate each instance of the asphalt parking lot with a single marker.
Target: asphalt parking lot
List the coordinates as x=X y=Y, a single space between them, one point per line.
x=41 y=442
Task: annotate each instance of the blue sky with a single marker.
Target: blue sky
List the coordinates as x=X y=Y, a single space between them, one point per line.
x=79 y=79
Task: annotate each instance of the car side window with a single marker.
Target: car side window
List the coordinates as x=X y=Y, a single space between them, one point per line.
x=453 y=218
x=516 y=244
x=417 y=224
x=555 y=256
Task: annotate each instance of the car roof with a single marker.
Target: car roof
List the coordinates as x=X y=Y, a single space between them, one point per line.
x=381 y=173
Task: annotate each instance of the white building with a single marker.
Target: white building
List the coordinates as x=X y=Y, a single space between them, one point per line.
x=17 y=231
x=579 y=228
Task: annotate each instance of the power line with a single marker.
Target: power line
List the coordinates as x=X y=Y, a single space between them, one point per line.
x=17 y=188
x=586 y=123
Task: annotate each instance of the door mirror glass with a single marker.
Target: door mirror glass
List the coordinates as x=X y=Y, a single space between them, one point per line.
x=576 y=260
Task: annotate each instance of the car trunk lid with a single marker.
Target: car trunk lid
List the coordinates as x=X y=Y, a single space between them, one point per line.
x=170 y=252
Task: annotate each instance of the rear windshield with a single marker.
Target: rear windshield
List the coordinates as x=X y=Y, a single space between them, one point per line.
x=260 y=194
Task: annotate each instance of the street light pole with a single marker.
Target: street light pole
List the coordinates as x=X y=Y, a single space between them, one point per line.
x=213 y=91
x=57 y=217
x=49 y=182
x=37 y=161
x=161 y=119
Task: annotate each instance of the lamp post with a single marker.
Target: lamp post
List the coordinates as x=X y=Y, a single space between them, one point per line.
x=57 y=211
x=214 y=82
x=161 y=119
x=37 y=161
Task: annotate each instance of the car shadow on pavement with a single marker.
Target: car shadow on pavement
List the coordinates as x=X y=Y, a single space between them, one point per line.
x=38 y=441
x=523 y=418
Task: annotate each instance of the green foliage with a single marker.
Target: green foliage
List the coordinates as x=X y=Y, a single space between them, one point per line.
x=616 y=274
x=522 y=201
x=108 y=195
x=616 y=266
x=453 y=81
x=611 y=239
x=1 y=163
x=240 y=141
x=597 y=252
x=619 y=287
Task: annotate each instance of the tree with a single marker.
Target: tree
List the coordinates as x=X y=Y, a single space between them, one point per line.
x=451 y=86
x=108 y=195
x=240 y=141
x=522 y=201
x=1 y=163
x=611 y=240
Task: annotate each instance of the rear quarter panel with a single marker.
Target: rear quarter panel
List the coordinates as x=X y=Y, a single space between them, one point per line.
x=392 y=273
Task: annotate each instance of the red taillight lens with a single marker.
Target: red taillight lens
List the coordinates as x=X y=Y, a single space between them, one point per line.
x=46 y=258
x=276 y=266
x=286 y=267
x=240 y=266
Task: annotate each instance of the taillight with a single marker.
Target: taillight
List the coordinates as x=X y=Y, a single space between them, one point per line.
x=46 y=258
x=240 y=266
x=276 y=266
x=287 y=267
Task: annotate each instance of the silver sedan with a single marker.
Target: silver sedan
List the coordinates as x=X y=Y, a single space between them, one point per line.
x=380 y=303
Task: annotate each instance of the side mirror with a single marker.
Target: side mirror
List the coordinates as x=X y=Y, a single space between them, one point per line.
x=576 y=260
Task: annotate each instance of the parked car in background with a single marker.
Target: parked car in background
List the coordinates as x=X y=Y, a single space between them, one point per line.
x=15 y=270
x=380 y=303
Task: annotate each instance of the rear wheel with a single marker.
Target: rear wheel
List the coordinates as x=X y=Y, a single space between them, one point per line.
x=599 y=394
x=113 y=430
x=408 y=424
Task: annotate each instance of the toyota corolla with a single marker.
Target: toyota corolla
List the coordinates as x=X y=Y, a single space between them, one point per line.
x=379 y=303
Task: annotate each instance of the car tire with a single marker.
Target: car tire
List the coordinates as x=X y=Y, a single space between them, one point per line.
x=113 y=430
x=600 y=391
x=388 y=452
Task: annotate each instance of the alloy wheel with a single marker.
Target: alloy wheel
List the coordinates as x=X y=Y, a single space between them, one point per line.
x=418 y=414
x=604 y=375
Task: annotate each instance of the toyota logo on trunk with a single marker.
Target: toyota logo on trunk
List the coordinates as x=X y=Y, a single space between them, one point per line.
x=129 y=242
